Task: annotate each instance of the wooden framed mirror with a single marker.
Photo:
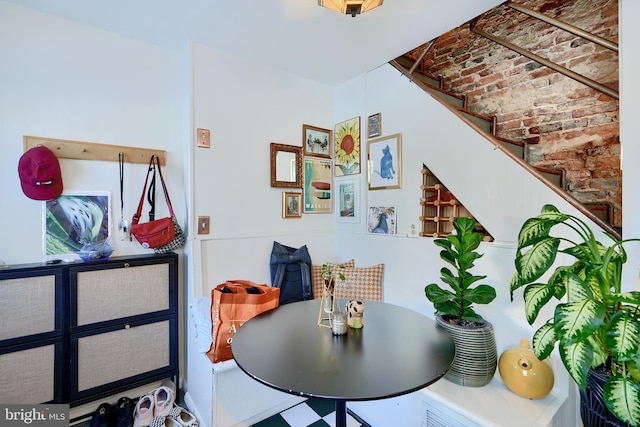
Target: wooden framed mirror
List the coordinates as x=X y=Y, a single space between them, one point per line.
x=286 y=166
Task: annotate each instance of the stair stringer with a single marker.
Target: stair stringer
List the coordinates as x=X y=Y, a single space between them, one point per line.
x=499 y=189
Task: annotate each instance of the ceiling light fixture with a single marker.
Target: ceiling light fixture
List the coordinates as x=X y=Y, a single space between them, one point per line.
x=350 y=7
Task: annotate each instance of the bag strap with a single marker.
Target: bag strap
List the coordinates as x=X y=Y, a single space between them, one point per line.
x=151 y=196
x=164 y=187
x=136 y=216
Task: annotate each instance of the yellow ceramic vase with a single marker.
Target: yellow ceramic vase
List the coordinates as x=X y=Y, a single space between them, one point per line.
x=523 y=373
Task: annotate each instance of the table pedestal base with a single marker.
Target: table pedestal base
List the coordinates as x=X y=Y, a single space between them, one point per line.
x=341 y=413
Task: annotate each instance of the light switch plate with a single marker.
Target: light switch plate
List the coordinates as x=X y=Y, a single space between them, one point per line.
x=204 y=138
x=203 y=224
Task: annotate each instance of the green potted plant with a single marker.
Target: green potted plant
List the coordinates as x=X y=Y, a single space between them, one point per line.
x=476 y=355
x=596 y=325
x=329 y=274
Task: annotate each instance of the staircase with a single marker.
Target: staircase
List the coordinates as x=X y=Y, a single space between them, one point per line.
x=510 y=25
x=485 y=124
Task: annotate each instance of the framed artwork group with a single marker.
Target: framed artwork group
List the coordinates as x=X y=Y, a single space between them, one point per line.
x=330 y=160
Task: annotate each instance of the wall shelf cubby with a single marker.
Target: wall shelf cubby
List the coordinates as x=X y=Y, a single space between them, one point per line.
x=440 y=207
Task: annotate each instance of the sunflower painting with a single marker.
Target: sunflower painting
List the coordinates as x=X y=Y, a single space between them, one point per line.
x=347 y=147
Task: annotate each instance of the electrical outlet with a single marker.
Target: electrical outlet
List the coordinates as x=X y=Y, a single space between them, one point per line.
x=203 y=224
x=204 y=138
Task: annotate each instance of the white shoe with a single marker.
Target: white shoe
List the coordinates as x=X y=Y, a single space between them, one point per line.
x=159 y=422
x=164 y=397
x=143 y=414
x=180 y=417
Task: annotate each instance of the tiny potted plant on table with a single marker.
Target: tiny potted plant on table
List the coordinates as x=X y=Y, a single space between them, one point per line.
x=327 y=305
x=596 y=326
x=476 y=355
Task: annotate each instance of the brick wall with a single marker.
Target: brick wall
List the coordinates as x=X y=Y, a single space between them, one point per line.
x=567 y=125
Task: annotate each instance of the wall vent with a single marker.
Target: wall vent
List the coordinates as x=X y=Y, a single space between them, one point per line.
x=437 y=415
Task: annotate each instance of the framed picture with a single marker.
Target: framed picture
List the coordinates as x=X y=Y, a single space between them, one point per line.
x=375 y=125
x=347 y=147
x=291 y=205
x=381 y=220
x=316 y=141
x=347 y=200
x=317 y=186
x=385 y=162
x=73 y=219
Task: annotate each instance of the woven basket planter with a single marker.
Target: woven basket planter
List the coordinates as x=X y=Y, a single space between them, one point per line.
x=593 y=411
x=476 y=356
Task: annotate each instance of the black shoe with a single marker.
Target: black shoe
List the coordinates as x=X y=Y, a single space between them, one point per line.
x=124 y=412
x=103 y=417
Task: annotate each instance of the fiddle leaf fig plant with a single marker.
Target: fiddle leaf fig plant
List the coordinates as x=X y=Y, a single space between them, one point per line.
x=459 y=250
x=595 y=324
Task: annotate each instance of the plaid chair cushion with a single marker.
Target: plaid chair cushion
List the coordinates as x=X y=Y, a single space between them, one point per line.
x=363 y=283
x=316 y=276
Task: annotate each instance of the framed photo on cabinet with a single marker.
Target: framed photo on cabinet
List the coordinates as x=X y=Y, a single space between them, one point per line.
x=74 y=219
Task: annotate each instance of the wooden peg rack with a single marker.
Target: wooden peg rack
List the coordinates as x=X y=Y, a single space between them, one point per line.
x=91 y=151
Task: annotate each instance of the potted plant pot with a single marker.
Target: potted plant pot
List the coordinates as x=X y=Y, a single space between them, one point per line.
x=593 y=410
x=476 y=356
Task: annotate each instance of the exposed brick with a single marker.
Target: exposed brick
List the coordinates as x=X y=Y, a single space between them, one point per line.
x=572 y=124
x=578 y=174
x=600 y=119
x=473 y=70
x=495 y=77
x=567 y=123
x=596 y=109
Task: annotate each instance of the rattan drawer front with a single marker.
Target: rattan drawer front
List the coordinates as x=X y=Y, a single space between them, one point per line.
x=116 y=355
x=121 y=292
x=27 y=376
x=30 y=303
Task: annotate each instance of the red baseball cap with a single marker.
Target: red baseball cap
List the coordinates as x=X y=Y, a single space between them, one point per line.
x=40 y=174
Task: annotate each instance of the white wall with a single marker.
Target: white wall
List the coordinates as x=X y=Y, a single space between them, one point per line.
x=247 y=107
x=629 y=11
x=68 y=81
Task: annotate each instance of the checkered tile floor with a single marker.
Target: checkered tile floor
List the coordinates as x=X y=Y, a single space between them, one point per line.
x=310 y=413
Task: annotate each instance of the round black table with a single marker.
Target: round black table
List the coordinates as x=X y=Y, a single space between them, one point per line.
x=398 y=351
